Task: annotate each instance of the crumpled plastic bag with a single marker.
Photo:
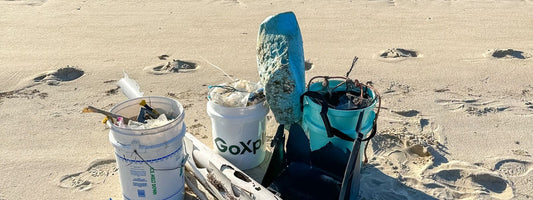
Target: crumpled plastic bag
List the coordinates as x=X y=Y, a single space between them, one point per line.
x=239 y=93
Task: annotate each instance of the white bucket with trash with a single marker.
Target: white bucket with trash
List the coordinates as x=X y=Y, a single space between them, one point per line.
x=150 y=160
x=238 y=115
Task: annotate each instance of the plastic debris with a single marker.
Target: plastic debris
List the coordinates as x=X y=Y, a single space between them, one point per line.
x=142 y=115
x=351 y=101
x=355 y=95
x=256 y=97
x=240 y=93
x=120 y=122
x=150 y=123
x=145 y=119
x=129 y=87
x=152 y=112
x=347 y=101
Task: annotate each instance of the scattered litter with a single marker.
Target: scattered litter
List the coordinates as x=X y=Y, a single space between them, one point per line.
x=120 y=122
x=350 y=100
x=175 y=66
x=348 y=94
x=150 y=123
x=256 y=96
x=240 y=93
x=148 y=117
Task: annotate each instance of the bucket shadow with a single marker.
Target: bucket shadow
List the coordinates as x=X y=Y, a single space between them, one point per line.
x=377 y=185
x=257 y=173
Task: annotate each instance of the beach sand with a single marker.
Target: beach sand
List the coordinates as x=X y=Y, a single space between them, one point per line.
x=457 y=116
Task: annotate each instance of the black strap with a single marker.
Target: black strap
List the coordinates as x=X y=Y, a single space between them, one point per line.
x=321 y=100
x=353 y=168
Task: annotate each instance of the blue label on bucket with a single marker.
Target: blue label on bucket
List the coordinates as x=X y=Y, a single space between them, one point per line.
x=141 y=193
x=139 y=179
x=137 y=173
x=137 y=184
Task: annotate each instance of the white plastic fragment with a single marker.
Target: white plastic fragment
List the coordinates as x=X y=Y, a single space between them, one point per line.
x=129 y=87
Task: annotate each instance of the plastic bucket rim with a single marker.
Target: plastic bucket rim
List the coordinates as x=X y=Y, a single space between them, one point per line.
x=163 y=128
x=245 y=108
x=372 y=106
x=115 y=143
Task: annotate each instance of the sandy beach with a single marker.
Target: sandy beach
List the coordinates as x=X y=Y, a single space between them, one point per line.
x=456 y=79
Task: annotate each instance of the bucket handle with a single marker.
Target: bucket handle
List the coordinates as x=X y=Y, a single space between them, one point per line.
x=180 y=166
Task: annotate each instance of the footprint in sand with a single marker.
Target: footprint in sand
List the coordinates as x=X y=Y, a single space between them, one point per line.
x=413 y=113
x=384 y=143
x=397 y=88
x=22 y=93
x=413 y=128
x=95 y=174
x=464 y=180
x=406 y=113
x=519 y=172
x=513 y=167
x=397 y=54
x=389 y=175
x=60 y=75
x=507 y=54
x=174 y=66
x=520 y=152
x=163 y=57
x=475 y=107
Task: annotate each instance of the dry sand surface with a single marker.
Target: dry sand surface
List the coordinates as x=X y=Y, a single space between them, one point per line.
x=457 y=117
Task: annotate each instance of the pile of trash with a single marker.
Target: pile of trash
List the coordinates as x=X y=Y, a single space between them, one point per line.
x=350 y=100
x=239 y=93
x=148 y=117
x=296 y=170
x=355 y=96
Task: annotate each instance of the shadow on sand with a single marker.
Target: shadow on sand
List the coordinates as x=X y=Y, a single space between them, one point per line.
x=375 y=185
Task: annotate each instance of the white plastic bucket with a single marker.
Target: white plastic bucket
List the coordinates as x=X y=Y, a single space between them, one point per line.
x=150 y=160
x=239 y=133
